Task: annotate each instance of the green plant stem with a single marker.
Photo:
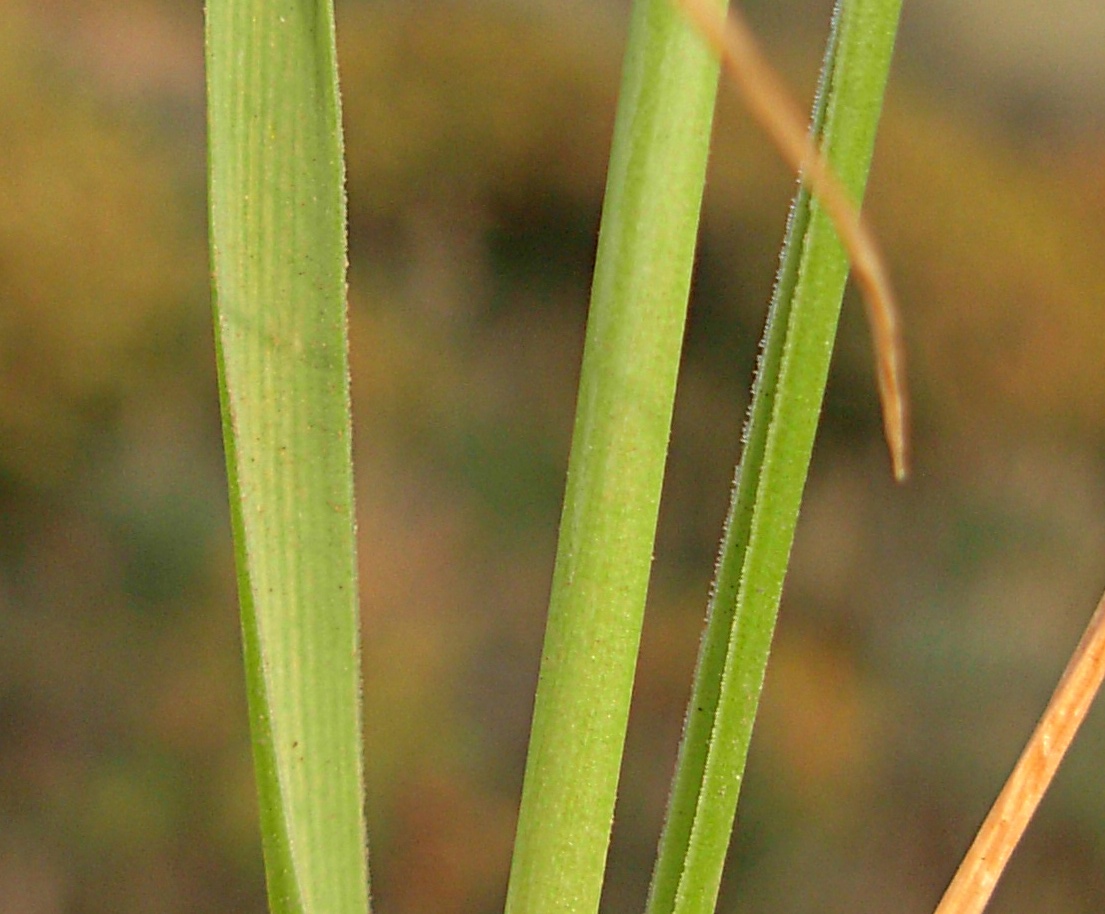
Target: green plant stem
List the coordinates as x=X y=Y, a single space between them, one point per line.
x=619 y=447
x=779 y=436
x=277 y=215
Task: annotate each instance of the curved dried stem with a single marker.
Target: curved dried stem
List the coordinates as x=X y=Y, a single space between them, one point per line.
x=780 y=117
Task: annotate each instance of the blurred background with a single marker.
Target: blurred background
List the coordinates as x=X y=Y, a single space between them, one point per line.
x=922 y=629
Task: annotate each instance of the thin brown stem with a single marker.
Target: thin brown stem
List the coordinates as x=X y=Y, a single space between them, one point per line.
x=780 y=117
x=981 y=868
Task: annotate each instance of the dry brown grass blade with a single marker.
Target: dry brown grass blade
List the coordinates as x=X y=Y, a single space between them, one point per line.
x=780 y=117
x=981 y=868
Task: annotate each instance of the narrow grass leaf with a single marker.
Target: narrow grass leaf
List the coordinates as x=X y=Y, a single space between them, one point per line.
x=619 y=447
x=277 y=219
x=779 y=436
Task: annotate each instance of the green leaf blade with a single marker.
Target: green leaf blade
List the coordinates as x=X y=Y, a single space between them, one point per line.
x=619 y=448
x=779 y=437
x=277 y=211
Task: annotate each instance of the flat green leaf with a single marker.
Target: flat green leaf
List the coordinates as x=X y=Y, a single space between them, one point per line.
x=277 y=218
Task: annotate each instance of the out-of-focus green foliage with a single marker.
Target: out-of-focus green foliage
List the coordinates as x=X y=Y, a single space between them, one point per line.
x=92 y=279
x=921 y=629
x=452 y=129
x=124 y=773
x=1016 y=233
